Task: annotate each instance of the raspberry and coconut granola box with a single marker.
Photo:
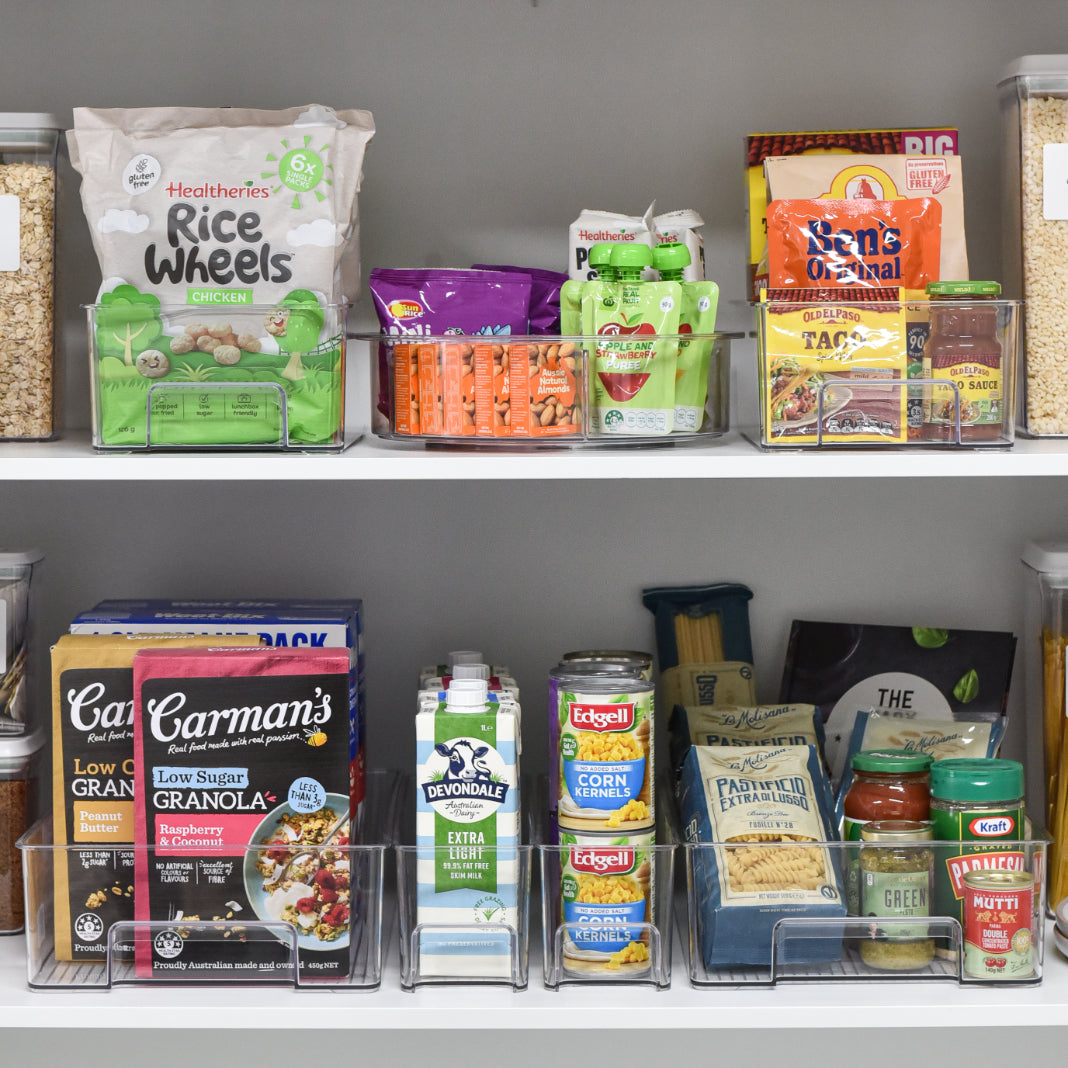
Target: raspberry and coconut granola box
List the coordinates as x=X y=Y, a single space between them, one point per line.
x=283 y=624
x=242 y=791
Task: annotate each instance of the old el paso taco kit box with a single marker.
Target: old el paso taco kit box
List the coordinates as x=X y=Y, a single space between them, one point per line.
x=233 y=750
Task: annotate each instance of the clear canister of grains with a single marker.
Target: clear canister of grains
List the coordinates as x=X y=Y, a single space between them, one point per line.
x=16 y=667
x=28 y=149
x=18 y=776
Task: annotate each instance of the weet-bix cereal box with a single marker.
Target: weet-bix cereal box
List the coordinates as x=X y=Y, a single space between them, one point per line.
x=292 y=624
x=241 y=772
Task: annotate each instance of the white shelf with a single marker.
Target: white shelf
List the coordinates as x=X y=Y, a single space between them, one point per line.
x=733 y=456
x=788 y=1006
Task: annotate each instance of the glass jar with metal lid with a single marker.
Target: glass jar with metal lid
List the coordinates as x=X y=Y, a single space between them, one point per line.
x=888 y=784
x=896 y=872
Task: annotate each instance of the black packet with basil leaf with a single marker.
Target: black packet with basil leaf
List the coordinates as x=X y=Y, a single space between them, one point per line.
x=900 y=671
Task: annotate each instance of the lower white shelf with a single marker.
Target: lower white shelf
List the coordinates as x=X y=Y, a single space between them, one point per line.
x=789 y=1005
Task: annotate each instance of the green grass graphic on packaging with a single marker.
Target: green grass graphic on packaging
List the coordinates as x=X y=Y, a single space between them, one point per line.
x=135 y=353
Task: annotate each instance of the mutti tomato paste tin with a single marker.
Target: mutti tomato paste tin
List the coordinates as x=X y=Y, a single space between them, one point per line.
x=998 y=918
x=603 y=728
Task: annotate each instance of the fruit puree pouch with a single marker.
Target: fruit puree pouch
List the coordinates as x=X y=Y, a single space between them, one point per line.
x=433 y=302
x=864 y=243
x=205 y=222
x=632 y=380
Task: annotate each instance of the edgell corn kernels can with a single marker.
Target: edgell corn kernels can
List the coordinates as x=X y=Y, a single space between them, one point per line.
x=603 y=751
x=607 y=894
x=998 y=919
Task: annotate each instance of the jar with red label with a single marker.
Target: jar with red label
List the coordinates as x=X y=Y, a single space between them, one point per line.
x=964 y=357
x=888 y=784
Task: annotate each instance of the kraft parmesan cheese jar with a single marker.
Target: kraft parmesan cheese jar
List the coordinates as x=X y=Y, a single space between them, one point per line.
x=467 y=828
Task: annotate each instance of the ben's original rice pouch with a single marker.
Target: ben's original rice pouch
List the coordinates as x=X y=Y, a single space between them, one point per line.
x=870 y=244
x=885 y=178
x=836 y=353
x=759 y=817
x=228 y=244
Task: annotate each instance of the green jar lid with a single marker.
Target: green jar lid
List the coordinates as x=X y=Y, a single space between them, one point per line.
x=632 y=256
x=963 y=289
x=671 y=256
x=977 y=779
x=889 y=761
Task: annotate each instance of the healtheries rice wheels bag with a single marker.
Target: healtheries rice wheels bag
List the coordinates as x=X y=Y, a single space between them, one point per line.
x=228 y=242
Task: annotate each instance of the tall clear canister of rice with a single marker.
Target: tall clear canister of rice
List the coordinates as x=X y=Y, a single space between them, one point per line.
x=1033 y=92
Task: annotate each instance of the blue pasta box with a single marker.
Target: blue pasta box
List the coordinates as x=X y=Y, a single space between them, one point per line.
x=759 y=819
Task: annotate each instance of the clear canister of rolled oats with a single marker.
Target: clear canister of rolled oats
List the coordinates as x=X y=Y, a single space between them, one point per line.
x=28 y=149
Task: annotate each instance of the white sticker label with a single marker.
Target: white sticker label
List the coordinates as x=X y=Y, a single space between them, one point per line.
x=9 y=233
x=141 y=174
x=1055 y=181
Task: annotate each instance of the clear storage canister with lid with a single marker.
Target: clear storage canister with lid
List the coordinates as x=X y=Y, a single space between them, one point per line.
x=1045 y=642
x=28 y=148
x=18 y=777
x=1033 y=93
x=16 y=571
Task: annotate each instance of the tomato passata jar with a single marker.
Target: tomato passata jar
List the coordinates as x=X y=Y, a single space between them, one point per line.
x=888 y=784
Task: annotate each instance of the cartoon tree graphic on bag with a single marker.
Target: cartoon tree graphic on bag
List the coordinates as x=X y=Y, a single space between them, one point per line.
x=127 y=323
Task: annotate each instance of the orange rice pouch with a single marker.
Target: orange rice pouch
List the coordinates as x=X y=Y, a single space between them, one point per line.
x=855 y=243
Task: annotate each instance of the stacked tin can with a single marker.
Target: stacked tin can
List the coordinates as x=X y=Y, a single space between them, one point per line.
x=602 y=790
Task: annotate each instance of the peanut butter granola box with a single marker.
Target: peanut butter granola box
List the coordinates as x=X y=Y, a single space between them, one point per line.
x=242 y=789
x=93 y=781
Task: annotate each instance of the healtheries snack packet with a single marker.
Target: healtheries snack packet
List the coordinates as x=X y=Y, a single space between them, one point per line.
x=228 y=244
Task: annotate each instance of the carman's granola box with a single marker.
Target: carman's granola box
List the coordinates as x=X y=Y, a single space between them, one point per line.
x=93 y=782
x=289 y=624
x=242 y=789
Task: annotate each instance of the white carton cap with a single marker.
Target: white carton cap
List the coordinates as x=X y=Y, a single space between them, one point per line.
x=471 y=671
x=466 y=693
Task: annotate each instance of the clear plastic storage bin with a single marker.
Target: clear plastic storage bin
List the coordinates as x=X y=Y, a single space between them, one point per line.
x=542 y=391
x=1033 y=93
x=28 y=148
x=231 y=946
x=797 y=928
x=855 y=372
x=233 y=377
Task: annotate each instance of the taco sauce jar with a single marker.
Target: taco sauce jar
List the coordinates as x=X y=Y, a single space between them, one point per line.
x=963 y=348
x=888 y=784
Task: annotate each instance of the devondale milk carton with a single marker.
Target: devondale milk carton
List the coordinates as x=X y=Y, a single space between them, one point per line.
x=241 y=763
x=93 y=782
x=467 y=831
x=292 y=624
